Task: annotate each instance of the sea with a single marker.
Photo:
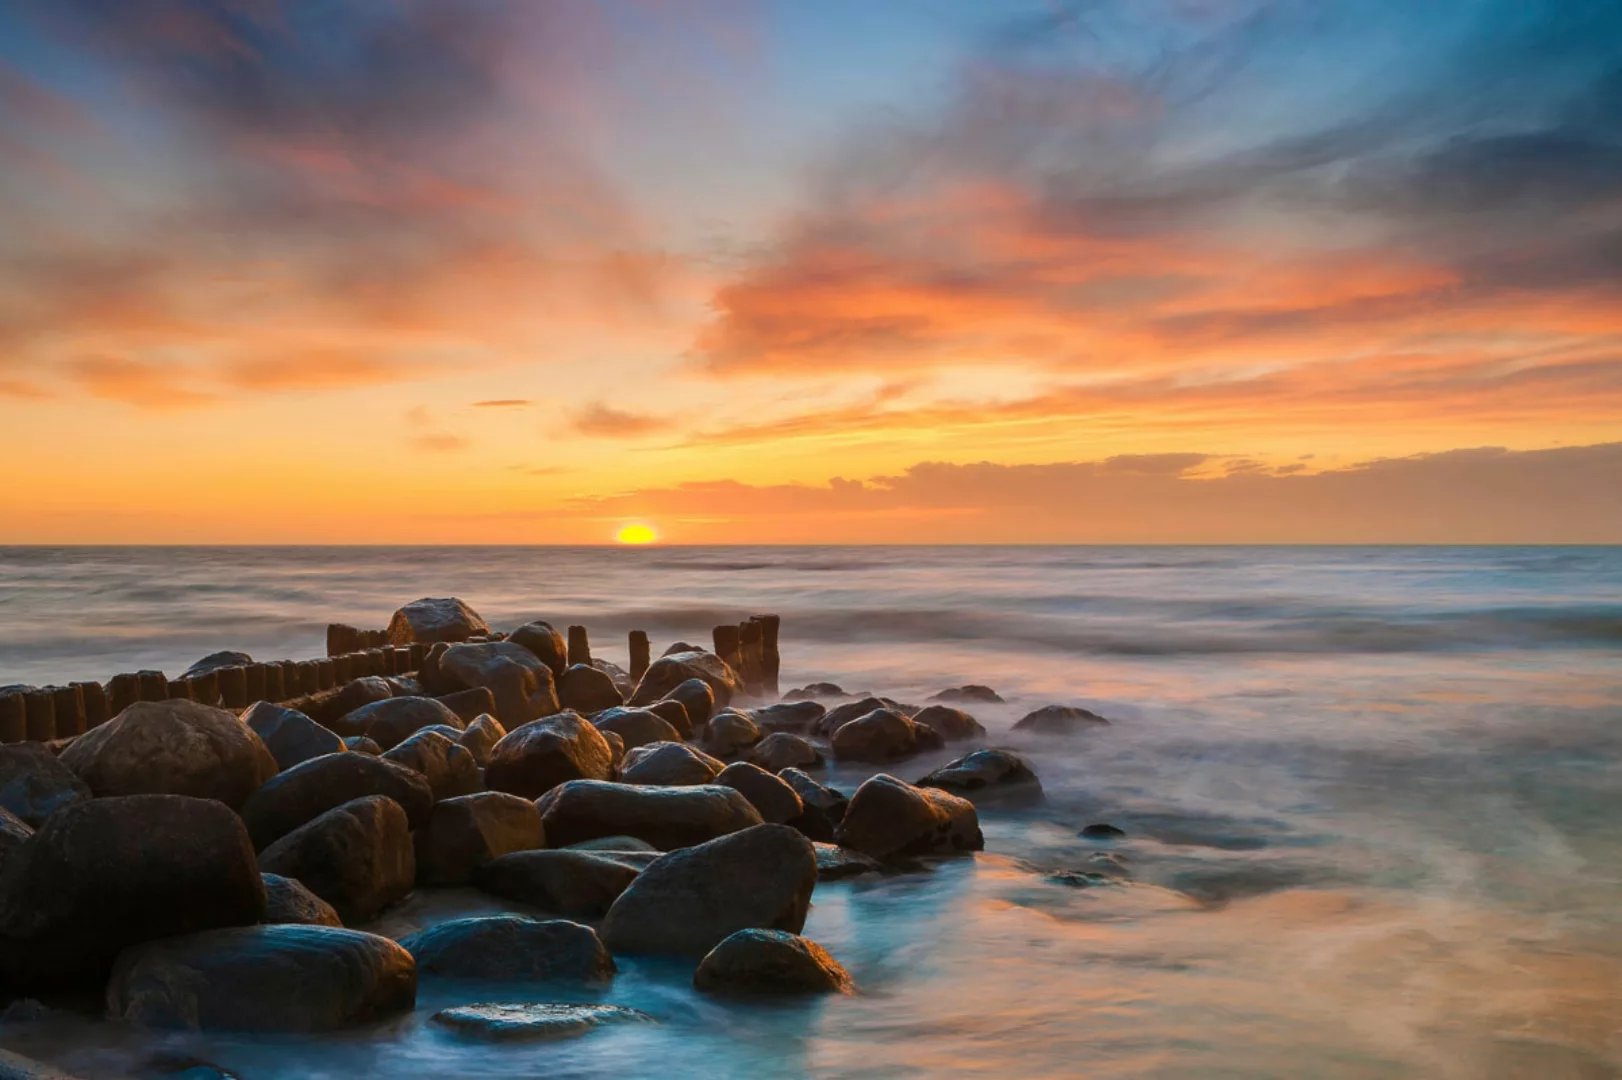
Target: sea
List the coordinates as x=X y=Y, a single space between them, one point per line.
x=1372 y=799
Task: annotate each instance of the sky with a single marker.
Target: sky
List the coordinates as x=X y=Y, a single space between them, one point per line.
x=923 y=271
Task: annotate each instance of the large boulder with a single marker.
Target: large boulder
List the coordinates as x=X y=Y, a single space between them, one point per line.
x=795 y=717
x=448 y=766
x=106 y=873
x=34 y=784
x=669 y=672
x=357 y=857
x=545 y=643
x=882 y=735
x=435 y=619
x=668 y=764
x=697 y=698
x=985 y=772
x=469 y=704
x=465 y=833
x=687 y=902
x=637 y=727
x=393 y=720
x=781 y=750
x=673 y=713
x=578 y=884
x=288 y=901
x=666 y=817
x=173 y=747
x=771 y=962
x=889 y=818
x=730 y=732
x=481 y=737
x=284 y=979
x=617 y=675
x=773 y=798
x=305 y=792
x=357 y=693
x=523 y=686
x=952 y=725
x=536 y=757
x=840 y=715
x=509 y=948
x=289 y=735
x=585 y=689
x=217 y=660
x=1060 y=720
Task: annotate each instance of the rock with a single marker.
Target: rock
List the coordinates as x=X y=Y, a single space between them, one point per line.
x=1059 y=720
x=579 y=884
x=535 y=758
x=889 y=818
x=172 y=747
x=697 y=698
x=288 y=901
x=882 y=735
x=814 y=691
x=34 y=784
x=1103 y=831
x=680 y=647
x=771 y=962
x=840 y=715
x=447 y=765
x=973 y=693
x=621 y=678
x=835 y=862
x=666 y=817
x=668 y=764
x=685 y=903
x=587 y=690
x=669 y=672
x=616 y=747
x=523 y=686
x=534 y=1020
x=469 y=704
x=306 y=791
x=393 y=720
x=16 y=1067
x=435 y=619
x=773 y=798
x=14 y=832
x=360 y=744
x=545 y=643
x=106 y=873
x=511 y=947
x=357 y=857
x=464 y=833
x=784 y=751
x=616 y=844
x=795 y=717
x=481 y=737
x=636 y=727
x=985 y=771
x=730 y=732
x=813 y=794
x=407 y=686
x=289 y=735
x=952 y=725
x=285 y=979
x=673 y=713
x=216 y=660
x=360 y=692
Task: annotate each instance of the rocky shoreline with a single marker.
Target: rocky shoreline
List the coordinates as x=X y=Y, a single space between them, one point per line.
x=198 y=852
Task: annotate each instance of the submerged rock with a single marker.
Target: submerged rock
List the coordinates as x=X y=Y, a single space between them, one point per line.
x=771 y=962
x=536 y=757
x=579 y=884
x=688 y=901
x=773 y=798
x=835 y=862
x=950 y=724
x=1060 y=720
x=393 y=720
x=670 y=671
x=464 y=833
x=34 y=784
x=357 y=857
x=585 y=689
x=523 y=686
x=815 y=691
x=447 y=765
x=434 y=619
x=510 y=947
x=889 y=818
x=636 y=727
x=288 y=901
x=669 y=764
x=289 y=735
x=1103 y=831
x=985 y=772
x=793 y=717
x=973 y=693
x=840 y=715
x=545 y=642
x=481 y=737
x=306 y=791
x=666 y=817
x=289 y=979
x=172 y=747
x=534 y=1020
x=783 y=751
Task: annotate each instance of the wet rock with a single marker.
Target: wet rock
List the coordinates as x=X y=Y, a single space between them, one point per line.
x=785 y=751
x=889 y=818
x=546 y=643
x=434 y=619
x=523 y=686
x=172 y=748
x=730 y=732
x=618 y=844
x=797 y=718
x=1081 y=879
x=464 y=833
x=636 y=727
x=697 y=698
x=469 y=704
x=771 y=962
x=666 y=817
x=985 y=772
x=14 y=831
x=673 y=713
x=357 y=693
x=835 y=862
x=289 y=735
x=16 y=1067
x=511 y=947
x=1060 y=720
x=407 y=686
x=815 y=795
x=616 y=747
x=216 y=660
x=308 y=790
x=535 y=758
x=952 y=725
x=668 y=672
x=840 y=715
x=106 y=873
x=815 y=691
x=619 y=676
x=587 y=690
x=481 y=737
x=534 y=1020
x=390 y=722
x=285 y=979
x=34 y=784
x=882 y=735
x=669 y=764
x=1103 y=831
x=357 y=857
x=447 y=766
x=972 y=694
x=680 y=647
x=360 y=744
x=687 y=902
x=288 y=901
x=579 y=884
x=772 y=797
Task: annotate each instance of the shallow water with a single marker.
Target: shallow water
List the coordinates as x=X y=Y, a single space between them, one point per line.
x=1373 y=797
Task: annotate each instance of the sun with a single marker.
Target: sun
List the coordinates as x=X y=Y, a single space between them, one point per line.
x=637 y=534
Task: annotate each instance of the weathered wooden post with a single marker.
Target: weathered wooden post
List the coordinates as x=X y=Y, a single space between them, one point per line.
x=13 y=717
x=122 y=692
x=641 y=653
x=375 y=663
x=68 y=703
x=275 y=691
x=177 y=690
x=154 y=686
x=324 y=673
x=95 y=704
x=343 y=638
x=749 y=655
x=419 y=653
x=726 y=644
x=579 y=646
x=39 y=707
x=771 y=661
x=238 y=683
x=205 y=688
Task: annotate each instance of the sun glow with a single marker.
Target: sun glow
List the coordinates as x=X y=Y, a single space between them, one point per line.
x=637 y=534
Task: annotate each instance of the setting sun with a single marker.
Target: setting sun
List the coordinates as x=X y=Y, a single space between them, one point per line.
x=636 y=534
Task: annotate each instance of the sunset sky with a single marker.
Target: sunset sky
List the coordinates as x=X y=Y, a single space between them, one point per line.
x=927 y=271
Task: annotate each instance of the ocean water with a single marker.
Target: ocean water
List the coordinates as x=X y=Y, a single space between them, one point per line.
x=1373 y=799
